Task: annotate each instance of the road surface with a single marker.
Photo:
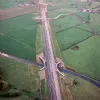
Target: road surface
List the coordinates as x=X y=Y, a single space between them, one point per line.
x=50 y=67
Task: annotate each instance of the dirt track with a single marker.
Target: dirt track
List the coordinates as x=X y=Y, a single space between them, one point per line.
x=16 y=11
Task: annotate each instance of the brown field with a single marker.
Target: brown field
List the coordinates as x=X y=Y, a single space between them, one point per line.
x=16 y=11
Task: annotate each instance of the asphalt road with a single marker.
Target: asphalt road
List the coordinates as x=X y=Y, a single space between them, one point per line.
x=50 y=67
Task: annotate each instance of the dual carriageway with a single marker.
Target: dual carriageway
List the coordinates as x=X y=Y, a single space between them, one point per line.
x=50 y=66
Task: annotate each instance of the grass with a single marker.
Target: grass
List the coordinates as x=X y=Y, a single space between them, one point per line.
x=85 y=27
x=62 y=88
x=68 y=21
x=94 y=4
x=79 y=88
x=17 y=23
x=69 y=31
x=95 y=21
x=43 y=89
x=65 y=27
x=39 y=40
x=68 y=5
x=55 y=46
x=64 y=10
x=19 y=38
x=65 y=22
x=9 y=3
x=85 y=91
x=86 y=59
x=70 y=37
x=21 y=76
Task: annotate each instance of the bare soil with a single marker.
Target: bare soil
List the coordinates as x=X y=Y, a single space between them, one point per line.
x=16 y=11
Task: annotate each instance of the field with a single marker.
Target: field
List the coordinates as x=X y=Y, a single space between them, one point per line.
x=95 y=22
x=75 y=39
x=85 y=91
x=7 y=4
x=86 y=59
x=22 y=77
x=10 y=3
x=39 y=40
x=18 y=36
x=67 y=29
x=78 y=89
x=77 y=30
x=43 y=90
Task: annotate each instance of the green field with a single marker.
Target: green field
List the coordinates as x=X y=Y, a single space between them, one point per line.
x=43 y=90
x=22 y=37
x=71 y=37
x=39 y=40
x=67 y=29
x=85 y=91
x=70 y=31
x=24 y=77
x=67 y=5
x=95 y=22
x=86 y=59
x=79 y=89
x=7 y=4
x=10 y=3
x=18 y=36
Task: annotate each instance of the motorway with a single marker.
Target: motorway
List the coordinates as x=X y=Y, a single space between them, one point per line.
x=50 y=67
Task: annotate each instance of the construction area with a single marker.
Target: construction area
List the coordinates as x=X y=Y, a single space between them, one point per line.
x=49 y=50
